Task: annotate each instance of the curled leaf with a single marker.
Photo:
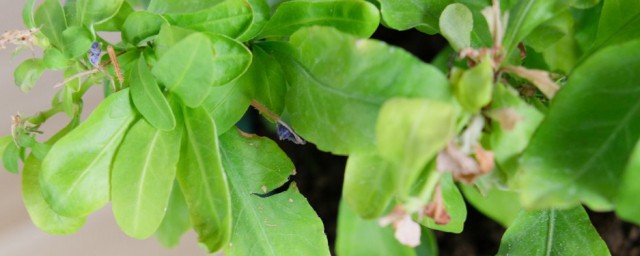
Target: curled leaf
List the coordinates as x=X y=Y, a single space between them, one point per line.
x=463 y=167
x=436 y=209
x=539 y=78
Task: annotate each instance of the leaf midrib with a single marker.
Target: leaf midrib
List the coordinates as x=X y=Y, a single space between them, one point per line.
x=139 y=198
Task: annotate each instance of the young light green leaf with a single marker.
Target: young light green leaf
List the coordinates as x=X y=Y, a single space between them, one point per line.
x=335 y=104
x=552 y=232
x=40 y=212
x=580 y=150
x=183 y=6
x=355 y=236
x=230 y=18
x=148 y=99
x=369 y=184
x=619 y=22
x=142 y=177
x=77 y=41
x=75 y=172
x=408 y=137
x=11 y=157
x=203 y=180
x=27 y=74
x=406 y=14
x=27 y=13
x=259 y=18
x=114 y=24
x=89 y=12
x=141 y=25
x=266 y=226
x=454 y=205
x=55 y=59
x=176 y=220
x=526 y=15
x=500 y=205
x=627 y=206
x=185 y=69
x=51 y=20
x=359 y=18
x=474 y=88
x=456 y=24
x=227 y=104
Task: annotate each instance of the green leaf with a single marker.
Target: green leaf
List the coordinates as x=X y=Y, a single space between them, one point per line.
x=148 y=98
x=619 y=23
x=552 y=232
x=369 y=184
x=9 y=153
x=203 y=180
x=627 y=206
x=27 y=74
x=585 y=4
x=580 y=150
x=40 y=212
x=406 y=134
x=526 y=15
x=474 y=87
x=51 y=20
x=75 y=173
x=456 y=24
x=27 y=13
x=356 y=236
x=139 y=26
x=266 y=226
x=227 y=104
x=91 y=12
x=501 y=206
x=232 y=59
x=176 y=220
x=185 y=69
x=454 y=205
x=55 y=59
x=406 y=14
x=359 y=18
x=114 y=24
x=259 y=18
x=230 y=18
x=142 y=177
x=335 y=104
x=77 y=41
x=183 y=6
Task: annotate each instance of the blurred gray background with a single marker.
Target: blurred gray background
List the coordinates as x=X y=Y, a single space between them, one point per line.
x=18 y=236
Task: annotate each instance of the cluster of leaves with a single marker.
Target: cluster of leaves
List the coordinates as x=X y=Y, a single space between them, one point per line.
x=482 y=123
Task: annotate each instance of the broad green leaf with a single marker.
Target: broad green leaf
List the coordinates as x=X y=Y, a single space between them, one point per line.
x=508 y=144
x=230 y=18
x=227 y=104
x=139 y=26
x=406 y=14
x=619 y=22
x=114 y=24
x=231 y=60
x=580 y=150
x=526 y=15
x=585 y=4
x=183 y=6
x=586 y=26
x=407 y=134
x=142 y=177
x=148 y=98
x=11 y=157
x=27 y=74
x=475 y=86
x=259 y=18
x=335 y=104
x=185 y=69
x=203 y=180
x=501 y=206
x=55 y=59
x=40 y=212
x=454 y=205
x=564 y=53
x=456 y=24
x=77 y=41
x=359 y=18
x=28 y=15
x=266 y=226
x=552 y=232
x=91 y=12
x=549 y=32
x=369 y=184
x=627 y=206
x=51 y=20
x=176 y=220
x=357 y=236
x=75 y=173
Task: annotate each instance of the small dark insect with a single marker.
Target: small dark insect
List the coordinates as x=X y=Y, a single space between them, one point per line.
x=284 y=187
x=286 y=133
x=94 y=54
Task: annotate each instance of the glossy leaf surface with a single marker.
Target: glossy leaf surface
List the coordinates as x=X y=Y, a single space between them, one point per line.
x=140 y=26
x=148 y=98
x=456 y=24
x=230 y=18
x=90 y=12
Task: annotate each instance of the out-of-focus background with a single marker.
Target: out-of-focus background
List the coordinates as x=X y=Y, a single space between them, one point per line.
x=18 y=236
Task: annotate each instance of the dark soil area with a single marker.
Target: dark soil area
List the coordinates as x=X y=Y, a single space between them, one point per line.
x=320 y=175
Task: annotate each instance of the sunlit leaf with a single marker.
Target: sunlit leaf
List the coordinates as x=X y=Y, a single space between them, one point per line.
x=230 y=18
x=148 y=98
x=90 y=12
x=176 y=220
x=369 y=184
x=139 y=26
x=51 y=19
x=456 y=23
